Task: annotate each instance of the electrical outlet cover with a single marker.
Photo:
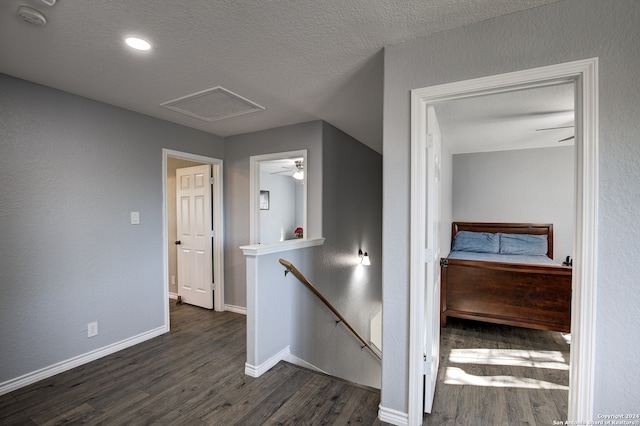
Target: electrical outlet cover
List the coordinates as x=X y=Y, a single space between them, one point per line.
x=92 y=329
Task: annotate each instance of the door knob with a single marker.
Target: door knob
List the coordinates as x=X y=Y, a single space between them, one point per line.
x=178 y=242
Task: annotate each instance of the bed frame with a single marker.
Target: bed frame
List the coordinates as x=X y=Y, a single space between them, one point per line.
x=531 y=296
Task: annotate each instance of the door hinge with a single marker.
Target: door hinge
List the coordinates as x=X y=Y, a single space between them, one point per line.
x=429 y=140
x=211 y=233
x=211 y=180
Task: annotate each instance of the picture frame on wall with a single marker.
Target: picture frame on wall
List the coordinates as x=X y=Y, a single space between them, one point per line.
x=264 y=200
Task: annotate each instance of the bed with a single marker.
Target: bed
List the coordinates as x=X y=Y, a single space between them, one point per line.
x=504 y=273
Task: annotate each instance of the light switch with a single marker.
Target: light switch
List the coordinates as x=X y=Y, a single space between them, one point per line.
x=135 y=218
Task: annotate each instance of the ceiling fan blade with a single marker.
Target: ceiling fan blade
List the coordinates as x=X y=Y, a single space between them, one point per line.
x=554 y=128
x=566 y=139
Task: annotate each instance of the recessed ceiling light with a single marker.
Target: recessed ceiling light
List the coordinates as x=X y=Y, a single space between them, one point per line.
x=138 y=43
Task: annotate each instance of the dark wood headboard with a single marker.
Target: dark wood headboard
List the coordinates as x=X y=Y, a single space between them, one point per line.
x=507 y=228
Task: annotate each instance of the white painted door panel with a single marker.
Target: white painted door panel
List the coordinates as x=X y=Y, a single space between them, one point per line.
x=193 y=192
x=432 y=260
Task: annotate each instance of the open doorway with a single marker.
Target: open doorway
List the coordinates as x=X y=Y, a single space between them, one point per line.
x=172 y=161
x=511 y=160
x=584 y=75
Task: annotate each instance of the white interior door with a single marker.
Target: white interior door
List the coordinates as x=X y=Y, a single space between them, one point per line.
x=432 y=260
x=193 y=202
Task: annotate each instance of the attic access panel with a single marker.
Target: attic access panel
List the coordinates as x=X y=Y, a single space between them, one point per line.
x=213 y=104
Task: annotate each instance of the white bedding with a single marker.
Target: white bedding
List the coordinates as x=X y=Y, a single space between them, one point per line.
x=491 y=257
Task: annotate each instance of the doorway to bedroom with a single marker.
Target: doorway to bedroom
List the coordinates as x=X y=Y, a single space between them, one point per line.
x=512 y=161
x=554 y=183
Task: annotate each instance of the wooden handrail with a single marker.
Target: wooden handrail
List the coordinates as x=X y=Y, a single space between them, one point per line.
x=303 y=280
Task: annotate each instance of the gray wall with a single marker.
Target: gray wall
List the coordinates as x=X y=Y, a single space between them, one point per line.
x=530 y=185
x=565 y=31
x=352 y=220
x=279 y=221
x=346 y=176
x=238 y=149
x=72 y=171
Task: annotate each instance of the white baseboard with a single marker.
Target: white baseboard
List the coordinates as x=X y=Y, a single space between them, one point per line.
x=259 y=370
x=52 y=370
x=236 y=309
x=173 y=296
x=394 y=417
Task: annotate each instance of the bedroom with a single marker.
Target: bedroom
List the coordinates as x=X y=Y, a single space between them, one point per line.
x=498 y=167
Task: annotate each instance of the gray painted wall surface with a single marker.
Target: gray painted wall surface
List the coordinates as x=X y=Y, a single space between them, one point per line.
x=238 y=149
x=72 y=170
x=352 y=220
x=279 y=221
x=288 y=313
x=531 y=185
x=565 y=31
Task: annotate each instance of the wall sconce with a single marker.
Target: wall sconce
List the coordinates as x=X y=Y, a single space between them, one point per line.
x=364 y=258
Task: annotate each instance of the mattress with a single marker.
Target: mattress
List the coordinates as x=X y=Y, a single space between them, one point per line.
x=508 y=258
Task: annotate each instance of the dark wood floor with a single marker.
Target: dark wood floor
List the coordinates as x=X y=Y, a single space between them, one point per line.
x=500 y=375
x=194 y=375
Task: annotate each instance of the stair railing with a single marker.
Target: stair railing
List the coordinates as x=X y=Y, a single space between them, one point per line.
x=303 y=280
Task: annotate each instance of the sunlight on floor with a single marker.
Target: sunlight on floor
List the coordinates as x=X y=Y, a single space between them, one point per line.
x=511 y=357
x=457 y=376
x=552 y=360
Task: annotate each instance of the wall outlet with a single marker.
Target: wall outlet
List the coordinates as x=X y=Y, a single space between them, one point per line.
x=92 y=329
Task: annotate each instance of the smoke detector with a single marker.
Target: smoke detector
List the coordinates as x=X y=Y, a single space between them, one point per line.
x=31 y=16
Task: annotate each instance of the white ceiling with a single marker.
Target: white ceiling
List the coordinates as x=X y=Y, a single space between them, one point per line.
x=302 y=60
x=284 y=166
x=507 y=121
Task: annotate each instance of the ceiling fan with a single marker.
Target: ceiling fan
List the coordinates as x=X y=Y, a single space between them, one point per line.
x=560 y=127
x=298 y=170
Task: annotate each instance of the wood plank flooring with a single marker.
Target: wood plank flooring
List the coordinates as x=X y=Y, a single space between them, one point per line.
x=192 y=376
x=195 y=376
x=500 y=375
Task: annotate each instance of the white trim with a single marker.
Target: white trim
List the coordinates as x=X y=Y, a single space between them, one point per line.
x=259 y=370
x=173 y=295
x=392 y=416
x=583 y=312
x=217 y=224
x=417 y=256
x=236 y=309
x=260 y=249
x=254 y=190
x=52 y=370
x=584 y=74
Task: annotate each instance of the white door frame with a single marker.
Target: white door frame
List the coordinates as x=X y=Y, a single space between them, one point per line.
x=584 y=74
x=217 y=224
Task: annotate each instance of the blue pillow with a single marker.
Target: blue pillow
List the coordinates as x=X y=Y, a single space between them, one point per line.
x=476 y=242
x=526 y=244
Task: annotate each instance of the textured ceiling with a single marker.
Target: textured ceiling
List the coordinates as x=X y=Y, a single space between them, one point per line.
x=302 y=60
